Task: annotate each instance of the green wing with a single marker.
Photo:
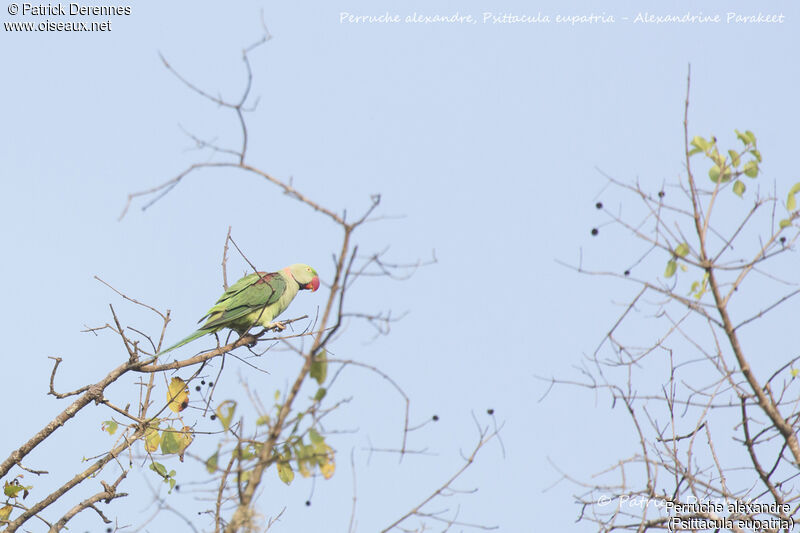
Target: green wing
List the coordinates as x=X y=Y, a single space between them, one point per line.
x=251 y=293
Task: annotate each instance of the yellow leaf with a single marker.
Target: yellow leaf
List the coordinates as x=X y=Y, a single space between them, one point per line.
x=177 y=395
x=303 y=467
x=329 y=467
x=151 y=439
x=110 y=426
x=225 y=413
x=325 y=460
x=211 y=463
x=185 y=438
x=327 y=470
x=5 y=512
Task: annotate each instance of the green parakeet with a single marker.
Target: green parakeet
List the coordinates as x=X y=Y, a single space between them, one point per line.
x=254 y=300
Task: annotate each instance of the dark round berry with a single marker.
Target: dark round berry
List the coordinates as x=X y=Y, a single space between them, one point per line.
x=490 y=411
x=435 y=418
x=210 y=383
x=197 y=388
x=661 y=194
x=213 y=417
x=783 y=240
x=627 y=272
x=202 y=382
x=308 y=503
x=595 y=231
x=599 y=205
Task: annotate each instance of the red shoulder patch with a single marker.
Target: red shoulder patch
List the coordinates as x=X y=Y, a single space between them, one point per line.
x=264 y=277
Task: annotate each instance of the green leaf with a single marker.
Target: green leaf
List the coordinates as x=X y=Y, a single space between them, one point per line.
x=700 y=143
x=321 y=392
x=285 y=472
x=735 y=159
x=319 y=367
x=682 y=250
x=785 y=223
x=742 y=137
x=159 y=469
x=243 y=454
x=671 y=267
x=713 y=173
x=751 y=136
x=225 y=413
x=169 y=441
x=110 y=426
x=756 y=154
x=211 y=463
x=315 y=437
x=738 y=188
x=794 y=372
x=12 y=489
x=751 y=169
x=262 y=420
x=700 y=288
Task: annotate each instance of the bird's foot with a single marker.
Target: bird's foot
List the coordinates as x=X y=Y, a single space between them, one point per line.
x=249 y=344
x=280 y=326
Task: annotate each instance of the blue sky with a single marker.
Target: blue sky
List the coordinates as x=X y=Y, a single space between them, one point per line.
x=485 y=138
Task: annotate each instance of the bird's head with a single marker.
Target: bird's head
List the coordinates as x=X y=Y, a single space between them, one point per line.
x=305 y=276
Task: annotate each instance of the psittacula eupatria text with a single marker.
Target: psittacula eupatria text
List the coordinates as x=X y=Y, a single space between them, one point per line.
x=255 y=300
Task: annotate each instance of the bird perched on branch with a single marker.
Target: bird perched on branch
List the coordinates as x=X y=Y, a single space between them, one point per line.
x=255 y=300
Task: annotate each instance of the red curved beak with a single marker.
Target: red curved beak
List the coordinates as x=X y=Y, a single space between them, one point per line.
x=313 y=284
